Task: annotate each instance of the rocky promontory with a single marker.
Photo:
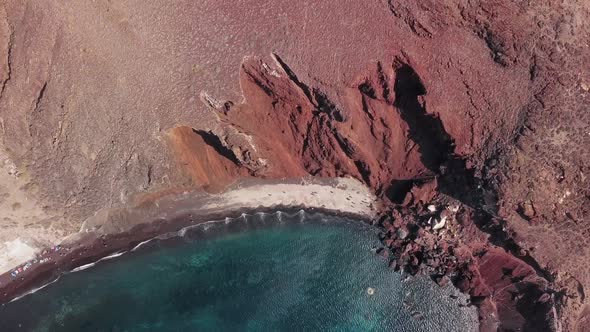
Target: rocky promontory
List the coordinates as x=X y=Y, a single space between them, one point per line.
x=467 y=120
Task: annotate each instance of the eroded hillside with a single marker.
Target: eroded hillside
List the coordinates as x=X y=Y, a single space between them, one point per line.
x=481 y=103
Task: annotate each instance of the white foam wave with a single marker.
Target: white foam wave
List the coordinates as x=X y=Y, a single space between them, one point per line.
x=83 y=267
x=89 y=265
x=140 y=244
x=34 y=290
x=115 y=255
x=182 y=232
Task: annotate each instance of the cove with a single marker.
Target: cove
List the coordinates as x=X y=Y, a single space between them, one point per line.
x=266 y=272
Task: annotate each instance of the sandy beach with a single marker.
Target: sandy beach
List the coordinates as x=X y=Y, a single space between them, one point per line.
x=111 y=232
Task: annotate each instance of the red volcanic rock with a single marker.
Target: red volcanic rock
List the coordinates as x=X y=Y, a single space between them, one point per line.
x=383 y=252
x=509 y=292
x=388 y=242
x=515 y=289
x=299 y=131
x=423 y=193
x=583 y=323
x=205 y=166
x=482 y=102
x=442 y=281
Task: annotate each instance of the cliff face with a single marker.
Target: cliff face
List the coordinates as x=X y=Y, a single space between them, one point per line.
x=483 y=105
x=285 y=128
x=379 y=131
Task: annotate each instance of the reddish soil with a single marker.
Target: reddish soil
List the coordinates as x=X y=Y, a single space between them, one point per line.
x=203 y=164
x=382 y=116
x=483 y=105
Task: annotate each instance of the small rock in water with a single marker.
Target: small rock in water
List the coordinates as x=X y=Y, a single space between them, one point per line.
x=383 y=252
x=370 y=291
x=393 y=264
x=417 y=315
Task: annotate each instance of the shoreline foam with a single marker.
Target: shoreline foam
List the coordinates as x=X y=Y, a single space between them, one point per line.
x=114 y=232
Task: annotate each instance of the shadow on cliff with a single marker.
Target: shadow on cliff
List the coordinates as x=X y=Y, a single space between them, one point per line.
x=457 y=181
x=320 y=138
x=427 y=131
x=437 y=153
x=435 y=144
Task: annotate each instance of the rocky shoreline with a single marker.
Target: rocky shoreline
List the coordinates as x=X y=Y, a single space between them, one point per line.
x=477 y=104
x=442 y=241
x=438 y=239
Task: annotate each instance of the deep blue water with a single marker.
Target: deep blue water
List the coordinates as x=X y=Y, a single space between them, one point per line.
x=286 y=276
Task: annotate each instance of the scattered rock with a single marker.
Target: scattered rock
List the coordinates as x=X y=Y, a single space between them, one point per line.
x=442 y=281
x=440 y=224
x=527 y=209
x=402 y=233
x=383 y=252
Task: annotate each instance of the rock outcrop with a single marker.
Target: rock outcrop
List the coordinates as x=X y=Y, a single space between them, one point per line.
x=382 y=115
x=482 y=105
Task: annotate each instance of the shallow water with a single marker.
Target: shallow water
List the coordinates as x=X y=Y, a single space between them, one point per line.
x=286 y=276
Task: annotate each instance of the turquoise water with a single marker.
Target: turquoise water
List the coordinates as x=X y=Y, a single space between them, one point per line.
x=289 y=276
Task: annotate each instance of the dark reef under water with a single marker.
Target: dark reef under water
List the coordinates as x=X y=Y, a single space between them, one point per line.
x=301 y=272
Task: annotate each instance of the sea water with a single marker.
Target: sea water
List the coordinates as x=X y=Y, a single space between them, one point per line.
x=260 y=273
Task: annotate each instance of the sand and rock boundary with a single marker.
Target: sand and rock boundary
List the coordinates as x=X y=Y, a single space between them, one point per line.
x=111 y=232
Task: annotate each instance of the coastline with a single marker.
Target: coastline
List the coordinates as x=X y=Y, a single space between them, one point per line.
x=235 y=234
x=111 y=232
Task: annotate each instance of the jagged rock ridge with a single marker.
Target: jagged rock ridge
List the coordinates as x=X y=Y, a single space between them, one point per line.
x=381 y=134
